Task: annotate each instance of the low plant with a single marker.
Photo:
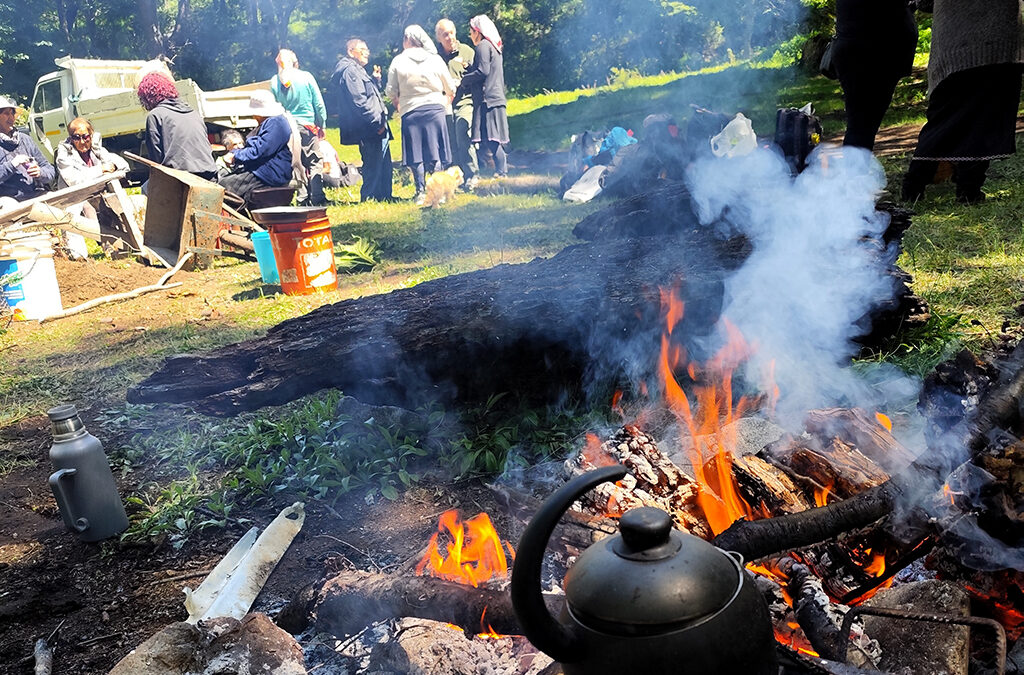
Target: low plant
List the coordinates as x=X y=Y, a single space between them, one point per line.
x=359 y=256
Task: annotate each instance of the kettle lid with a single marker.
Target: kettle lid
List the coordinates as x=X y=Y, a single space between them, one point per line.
x=650 y=578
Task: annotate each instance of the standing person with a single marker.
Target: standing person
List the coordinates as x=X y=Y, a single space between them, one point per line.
x=300 y=95
x=874 y=47
x=271 y=155
x=363 y=119
x=974 y=86
x=24 y=172
x=175 y=133
x=459 y=58
x=422 y=89
x=486 y=81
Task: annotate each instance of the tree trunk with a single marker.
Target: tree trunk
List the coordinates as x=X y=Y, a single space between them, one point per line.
x=537 y=328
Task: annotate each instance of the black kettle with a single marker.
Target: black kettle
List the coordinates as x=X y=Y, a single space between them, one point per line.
x=648 y=599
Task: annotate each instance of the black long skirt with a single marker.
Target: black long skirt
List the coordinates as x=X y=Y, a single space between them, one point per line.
x=425 y=137
x=490 y=124
x=972 y=116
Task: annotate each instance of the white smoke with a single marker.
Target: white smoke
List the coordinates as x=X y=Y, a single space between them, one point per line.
x=816 y=267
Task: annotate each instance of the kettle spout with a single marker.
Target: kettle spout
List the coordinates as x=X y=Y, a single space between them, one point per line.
x=556 y=639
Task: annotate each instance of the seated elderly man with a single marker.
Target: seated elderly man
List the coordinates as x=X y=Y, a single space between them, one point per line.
x=271 y=154
x=24 y=172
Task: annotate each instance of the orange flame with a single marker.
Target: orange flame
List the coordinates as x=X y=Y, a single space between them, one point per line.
x=713 y=412
x=821 y=495
x=884 y=421
x=474 y=552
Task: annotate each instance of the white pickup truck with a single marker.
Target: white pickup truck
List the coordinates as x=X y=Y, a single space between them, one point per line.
x=104 y=93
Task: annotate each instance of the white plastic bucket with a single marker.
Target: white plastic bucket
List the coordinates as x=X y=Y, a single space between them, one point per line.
x=37 y=294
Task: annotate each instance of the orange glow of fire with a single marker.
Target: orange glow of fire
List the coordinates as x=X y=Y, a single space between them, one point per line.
x=884 y=421
x=709 y=417
x=821 y=495
x=594 y=453
x=616 y=400
x=948 y=491
x=474 y=551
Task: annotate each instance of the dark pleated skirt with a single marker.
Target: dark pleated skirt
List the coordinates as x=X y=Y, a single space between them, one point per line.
x=490 y=124
x=425 y=137
x=972 y=115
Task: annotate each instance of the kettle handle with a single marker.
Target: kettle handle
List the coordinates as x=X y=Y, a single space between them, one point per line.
x=544 y=631
x=64 y=500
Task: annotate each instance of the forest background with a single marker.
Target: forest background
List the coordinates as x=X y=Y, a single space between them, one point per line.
x=549 y=44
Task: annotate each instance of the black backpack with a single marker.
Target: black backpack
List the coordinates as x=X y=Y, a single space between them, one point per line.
x=797 y=132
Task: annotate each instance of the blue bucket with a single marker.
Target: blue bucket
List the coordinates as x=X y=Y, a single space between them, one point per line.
x=265 y=257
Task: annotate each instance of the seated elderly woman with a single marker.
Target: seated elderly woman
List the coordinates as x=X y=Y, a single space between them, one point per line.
x=271 y=154
x=80 y=159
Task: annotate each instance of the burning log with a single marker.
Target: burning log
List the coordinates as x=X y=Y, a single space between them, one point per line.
x=821 y=621
x=352 y=600
x=837 y=469
x=870 y=435
x=763 y=483
x=756 y=539
x=527 y=327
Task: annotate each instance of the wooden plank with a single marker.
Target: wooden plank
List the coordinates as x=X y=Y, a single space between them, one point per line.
x=60 y=199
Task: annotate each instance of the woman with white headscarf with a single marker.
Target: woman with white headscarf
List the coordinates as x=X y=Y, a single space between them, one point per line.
x=421 y=88
x=486 y=82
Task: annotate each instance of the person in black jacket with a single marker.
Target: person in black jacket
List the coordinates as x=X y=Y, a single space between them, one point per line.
x=175 y=133
x=24 y=172
x=873 y=48
x=486 y=81
x=363 y=119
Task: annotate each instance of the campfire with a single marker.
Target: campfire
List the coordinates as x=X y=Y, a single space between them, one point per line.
x=717 y=477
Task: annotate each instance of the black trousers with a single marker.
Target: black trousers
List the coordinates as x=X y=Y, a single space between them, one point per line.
x=377 y=169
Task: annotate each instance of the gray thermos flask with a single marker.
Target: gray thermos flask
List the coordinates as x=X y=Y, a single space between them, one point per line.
x=82 y=482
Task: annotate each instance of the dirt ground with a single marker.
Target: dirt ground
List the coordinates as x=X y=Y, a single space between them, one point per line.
x=99 y=601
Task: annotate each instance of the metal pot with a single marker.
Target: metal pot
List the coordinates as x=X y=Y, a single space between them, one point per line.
x=648 y=599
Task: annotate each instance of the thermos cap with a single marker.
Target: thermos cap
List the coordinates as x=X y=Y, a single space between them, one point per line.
x=62 y=412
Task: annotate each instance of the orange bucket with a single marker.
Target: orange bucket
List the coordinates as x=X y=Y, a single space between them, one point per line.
x=303 y=247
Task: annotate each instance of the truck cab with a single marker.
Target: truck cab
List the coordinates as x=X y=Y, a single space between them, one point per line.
x=103 y=91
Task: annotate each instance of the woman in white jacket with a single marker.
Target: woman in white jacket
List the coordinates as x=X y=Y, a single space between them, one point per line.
x=421 y=88
x=79 y=159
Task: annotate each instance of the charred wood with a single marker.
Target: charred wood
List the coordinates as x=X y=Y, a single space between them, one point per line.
x=535 y=328
x=352 y=600
x=653 y=480
x=813 y=612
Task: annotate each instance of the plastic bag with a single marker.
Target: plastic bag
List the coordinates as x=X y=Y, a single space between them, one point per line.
x=736 y=139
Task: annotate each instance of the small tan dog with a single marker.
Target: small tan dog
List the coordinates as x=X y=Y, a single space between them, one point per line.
x=441 y=186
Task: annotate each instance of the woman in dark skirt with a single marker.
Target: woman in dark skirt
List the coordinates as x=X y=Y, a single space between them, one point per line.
x=486 y=82
x=421 y=88
x=974 y=86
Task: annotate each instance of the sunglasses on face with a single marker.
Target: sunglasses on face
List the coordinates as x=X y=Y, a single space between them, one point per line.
x=81 y=137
